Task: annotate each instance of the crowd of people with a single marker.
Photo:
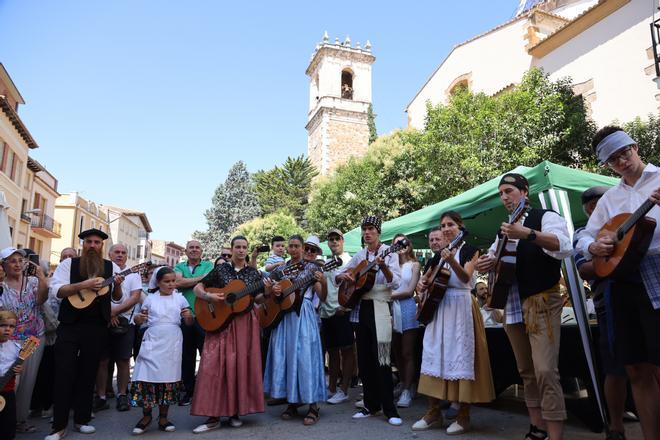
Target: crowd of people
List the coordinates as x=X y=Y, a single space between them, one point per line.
x=95 y=313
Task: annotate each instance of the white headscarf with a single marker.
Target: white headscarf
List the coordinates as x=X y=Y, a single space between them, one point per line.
x=153 y=283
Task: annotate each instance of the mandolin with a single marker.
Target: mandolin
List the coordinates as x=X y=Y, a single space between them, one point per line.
x=272 y=311
x=632 y=235
x=364 y=275
x=239 y=299
x=440 y=275
x=27 y=349
x=503 y=275
x=86 y=297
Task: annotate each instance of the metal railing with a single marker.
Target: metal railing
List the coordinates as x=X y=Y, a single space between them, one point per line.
x=46 y=222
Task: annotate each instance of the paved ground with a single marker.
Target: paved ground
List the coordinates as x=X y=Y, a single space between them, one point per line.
x=505 y=419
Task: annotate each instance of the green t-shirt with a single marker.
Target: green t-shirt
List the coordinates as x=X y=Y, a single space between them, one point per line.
x=202 y=268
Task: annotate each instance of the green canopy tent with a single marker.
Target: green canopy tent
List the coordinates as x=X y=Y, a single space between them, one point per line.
x=551 y=187
x=483 y=212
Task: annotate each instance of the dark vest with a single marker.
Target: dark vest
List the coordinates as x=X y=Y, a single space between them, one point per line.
x=96 y=313
x=536 y=271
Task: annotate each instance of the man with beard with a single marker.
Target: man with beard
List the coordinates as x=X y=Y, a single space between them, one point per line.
x=82 y=333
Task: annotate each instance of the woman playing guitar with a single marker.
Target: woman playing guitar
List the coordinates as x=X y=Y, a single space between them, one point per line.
x=294 y=365
x=455 y=365
x=229 y=380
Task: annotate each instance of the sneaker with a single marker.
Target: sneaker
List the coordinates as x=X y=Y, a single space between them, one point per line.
x=455 y=428
x=185 y=400
x=363 y=414
x=122 y=403
x=338 y=397
x=56 y=435
x=235 y=422
x=536 y=434
x=395 y=421
x=99 y=404
x=84 y=429
x=404 y=400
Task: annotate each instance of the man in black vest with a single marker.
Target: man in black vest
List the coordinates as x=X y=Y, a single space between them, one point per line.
x=533 y=308
x=82 y=332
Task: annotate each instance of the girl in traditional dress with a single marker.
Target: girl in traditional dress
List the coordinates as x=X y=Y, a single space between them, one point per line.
x=157 y=371
x=294 y=364
x=455 y=363
x=229 y=378
x=404 y=328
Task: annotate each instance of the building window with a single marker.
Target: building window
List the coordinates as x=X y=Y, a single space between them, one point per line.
x=4 y=149
x=347 y=84
x=82 y=222
x=139 y=251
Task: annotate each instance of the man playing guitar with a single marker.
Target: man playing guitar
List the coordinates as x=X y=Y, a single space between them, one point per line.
x=374 y=331
x=533 y=307
x=635 y=299
x=82 y=333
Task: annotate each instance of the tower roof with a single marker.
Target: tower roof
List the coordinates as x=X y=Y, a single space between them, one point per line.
x=340 y=50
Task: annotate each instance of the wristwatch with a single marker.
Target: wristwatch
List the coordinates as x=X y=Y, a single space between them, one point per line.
x=532 y=235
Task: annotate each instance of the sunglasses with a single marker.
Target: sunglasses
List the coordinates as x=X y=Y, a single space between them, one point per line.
x=310 y=249
x=225 y=255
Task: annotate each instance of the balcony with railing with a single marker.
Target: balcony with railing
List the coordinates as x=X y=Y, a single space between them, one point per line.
x=46 y=226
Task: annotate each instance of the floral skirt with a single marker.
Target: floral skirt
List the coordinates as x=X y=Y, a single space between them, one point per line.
x=149 y=395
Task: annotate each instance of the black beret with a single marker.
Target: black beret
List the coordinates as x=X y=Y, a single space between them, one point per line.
x=93 y=231
x=517 y=180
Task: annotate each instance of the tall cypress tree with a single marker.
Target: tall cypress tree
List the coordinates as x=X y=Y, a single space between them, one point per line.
x=233 y=203
x=371 y=123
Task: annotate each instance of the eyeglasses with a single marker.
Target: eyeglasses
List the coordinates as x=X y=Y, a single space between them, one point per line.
x=310 y=249
x=621 y=155
x=225 y=255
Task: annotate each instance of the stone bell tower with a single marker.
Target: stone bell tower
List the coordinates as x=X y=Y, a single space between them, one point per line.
x=339 y=98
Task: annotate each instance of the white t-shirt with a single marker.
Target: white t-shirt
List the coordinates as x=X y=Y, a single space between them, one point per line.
x=131 y=283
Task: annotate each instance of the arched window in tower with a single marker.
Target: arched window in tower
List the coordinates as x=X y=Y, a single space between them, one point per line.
x=346 y=84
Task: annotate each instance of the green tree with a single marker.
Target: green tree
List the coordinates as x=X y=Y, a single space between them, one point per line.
x=371 y=123
x=286 y=187
x=233 y=203
x=471 y=139
x=261 y=230
x=647 y=135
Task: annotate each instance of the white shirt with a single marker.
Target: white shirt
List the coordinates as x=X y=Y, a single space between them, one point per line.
x=8 y=354
x=551 y=223
x=62 y=277
x=619 y=199
x=131 y=283
x=392 y=262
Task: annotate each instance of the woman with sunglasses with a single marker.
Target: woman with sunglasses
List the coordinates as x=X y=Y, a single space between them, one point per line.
x=294 y=364
x=404 y=328
x=455 y=363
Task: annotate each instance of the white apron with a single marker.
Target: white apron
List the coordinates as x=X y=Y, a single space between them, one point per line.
x=449 y=339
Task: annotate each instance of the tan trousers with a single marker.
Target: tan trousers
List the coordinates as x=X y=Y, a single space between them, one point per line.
x=536 y=348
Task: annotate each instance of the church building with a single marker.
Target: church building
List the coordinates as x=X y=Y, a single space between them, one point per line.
x=603 y=45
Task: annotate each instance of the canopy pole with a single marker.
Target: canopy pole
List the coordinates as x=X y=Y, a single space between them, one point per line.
x=557 y=200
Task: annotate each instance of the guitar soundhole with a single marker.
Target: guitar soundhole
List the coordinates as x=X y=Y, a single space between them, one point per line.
x=230 y=298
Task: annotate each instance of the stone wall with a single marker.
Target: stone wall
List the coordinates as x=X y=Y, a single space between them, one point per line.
x=348 y=136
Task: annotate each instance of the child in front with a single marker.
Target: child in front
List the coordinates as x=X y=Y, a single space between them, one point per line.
x=157 y=372
x=8 y=354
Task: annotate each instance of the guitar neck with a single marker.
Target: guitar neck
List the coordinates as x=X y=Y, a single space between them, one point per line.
x=373 y=262
x=10 y=373
x=636 y=216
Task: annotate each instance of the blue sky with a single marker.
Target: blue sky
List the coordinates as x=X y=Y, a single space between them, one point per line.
x=146 y=104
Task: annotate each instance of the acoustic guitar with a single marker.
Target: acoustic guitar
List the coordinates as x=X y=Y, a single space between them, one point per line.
x=364 y=275
x=440 y=274
x=503 y=275
x=239 y=299
x=86 y=297
x=632 y=234
x=27 y=349
x=272 y=311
